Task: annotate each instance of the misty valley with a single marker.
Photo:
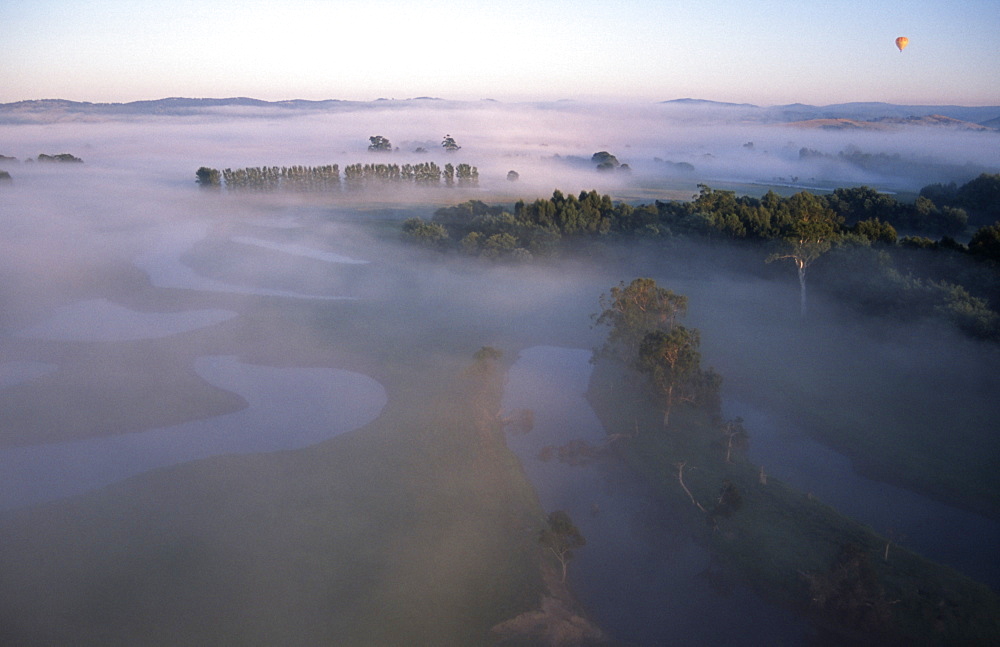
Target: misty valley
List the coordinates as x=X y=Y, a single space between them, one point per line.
x=569 y=374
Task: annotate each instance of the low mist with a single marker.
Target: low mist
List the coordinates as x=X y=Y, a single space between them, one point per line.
x=549 y=145
x=121 y=279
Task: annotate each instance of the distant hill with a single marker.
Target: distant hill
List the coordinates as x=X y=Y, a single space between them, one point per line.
x=856 y=112
x=888 y=123
x=839 y=116
x=49 y=110
x=839 y=124
x=992 y=123
x=707 y=103
x=59 y=109
x=872 y=111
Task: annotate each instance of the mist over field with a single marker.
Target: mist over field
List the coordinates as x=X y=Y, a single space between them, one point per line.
x=217 y=409
x=545 y=142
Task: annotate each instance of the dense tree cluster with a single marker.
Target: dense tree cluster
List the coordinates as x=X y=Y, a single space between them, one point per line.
x=633 y=311
x=980 y=197
x=61 y=157
x=850 y=594
x=356 y=175
x=861 y=214
x=467 y=175
x=942 y=210
x=810 y=235
x=646 y=334
x=606 y=162
x=918 y=278
x=530 y=228
x=208 y=177
x=379 y=144
x=868 y=264
x=851 y=236
x=723 y=214
x=985 y=243
x=430 y=234
x=449 y=144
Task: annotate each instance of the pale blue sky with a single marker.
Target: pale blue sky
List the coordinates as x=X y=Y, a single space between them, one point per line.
x=757 y=51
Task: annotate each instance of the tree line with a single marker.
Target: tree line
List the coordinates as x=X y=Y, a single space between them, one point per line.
x=273 y=178
x=424 y=174
x=328 y=178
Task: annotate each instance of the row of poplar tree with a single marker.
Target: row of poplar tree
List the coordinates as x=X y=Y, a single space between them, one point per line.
x=328 y=177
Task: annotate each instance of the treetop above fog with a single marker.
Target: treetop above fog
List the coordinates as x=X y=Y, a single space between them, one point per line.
x=449 y=144
x=634 y=310
x=379 y=144
x=605 y=161
x=61 y=157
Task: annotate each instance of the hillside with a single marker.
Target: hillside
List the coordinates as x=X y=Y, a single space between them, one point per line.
x=858 y=111
x=890 y=123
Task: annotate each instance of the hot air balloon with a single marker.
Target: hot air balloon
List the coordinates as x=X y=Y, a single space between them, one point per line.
x=902 y=42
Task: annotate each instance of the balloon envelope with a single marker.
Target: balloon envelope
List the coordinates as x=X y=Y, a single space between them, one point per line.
x=902 y=42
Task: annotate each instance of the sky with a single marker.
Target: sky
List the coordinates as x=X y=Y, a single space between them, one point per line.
x=766 y=52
